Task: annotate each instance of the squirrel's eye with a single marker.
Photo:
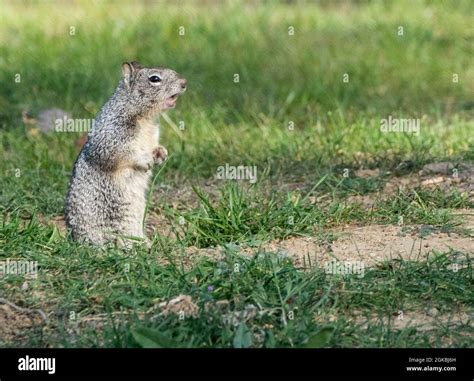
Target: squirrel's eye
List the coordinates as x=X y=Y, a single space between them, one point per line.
x=154 y=78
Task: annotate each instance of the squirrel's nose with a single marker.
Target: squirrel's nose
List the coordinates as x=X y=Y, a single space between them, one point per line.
x=183 y=83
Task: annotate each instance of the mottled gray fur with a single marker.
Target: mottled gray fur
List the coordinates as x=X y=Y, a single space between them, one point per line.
x=107 y=193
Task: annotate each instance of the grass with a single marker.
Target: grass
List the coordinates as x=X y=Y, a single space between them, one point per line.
x=246 y=214
x=291 y=115
x=82 y=284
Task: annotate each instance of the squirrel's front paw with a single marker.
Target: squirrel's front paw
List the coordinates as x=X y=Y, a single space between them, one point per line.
x=143 y=164
x=160 y=154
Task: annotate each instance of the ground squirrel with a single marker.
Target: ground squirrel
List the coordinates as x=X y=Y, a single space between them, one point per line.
x=107 y=192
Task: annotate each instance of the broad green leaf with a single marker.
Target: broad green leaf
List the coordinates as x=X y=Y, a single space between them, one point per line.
x=320 y=339
x=242 y=337
x=151 y=338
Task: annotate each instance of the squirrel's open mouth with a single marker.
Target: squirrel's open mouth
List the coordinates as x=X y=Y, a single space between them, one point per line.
x=171 y=101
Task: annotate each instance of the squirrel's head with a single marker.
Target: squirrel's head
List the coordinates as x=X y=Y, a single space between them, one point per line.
x=152 y=90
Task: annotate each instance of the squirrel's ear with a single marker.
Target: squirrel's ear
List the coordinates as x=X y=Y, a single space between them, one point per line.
x=136 y=65
x=128 y=71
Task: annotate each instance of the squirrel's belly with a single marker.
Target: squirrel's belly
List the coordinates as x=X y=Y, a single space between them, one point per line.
x=132 y=180
x=133 y=185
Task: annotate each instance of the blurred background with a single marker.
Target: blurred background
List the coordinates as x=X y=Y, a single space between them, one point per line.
x=69 y=54
x=330 y=69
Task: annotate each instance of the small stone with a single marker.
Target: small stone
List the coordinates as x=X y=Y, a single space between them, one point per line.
x=46 y=121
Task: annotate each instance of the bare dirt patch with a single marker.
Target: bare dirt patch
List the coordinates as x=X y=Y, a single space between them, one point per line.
x=428 y=320
x=421 y=319
x=15 y=322
x=182 y=304
x=447 y=176
x=467 y=218
x=372 y=244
